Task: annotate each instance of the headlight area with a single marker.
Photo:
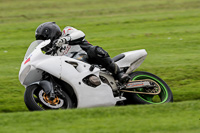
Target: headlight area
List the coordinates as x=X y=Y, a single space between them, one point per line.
x=29 y=75
x=24 y=73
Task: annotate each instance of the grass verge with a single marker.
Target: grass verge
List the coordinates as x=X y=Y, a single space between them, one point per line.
x=182 y=117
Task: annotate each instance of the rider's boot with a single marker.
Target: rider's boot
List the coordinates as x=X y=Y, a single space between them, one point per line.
x=117 y=74
x=100 y=56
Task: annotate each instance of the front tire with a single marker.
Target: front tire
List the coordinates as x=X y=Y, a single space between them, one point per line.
x=36 y=99
x=164 y=96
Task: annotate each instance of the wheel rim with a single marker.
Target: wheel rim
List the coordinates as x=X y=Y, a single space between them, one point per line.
x=160 y=98
x=55 y=103
x=42 y=100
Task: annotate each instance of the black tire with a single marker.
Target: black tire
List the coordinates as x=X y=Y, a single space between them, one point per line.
x=165 y=95
x=33 y=102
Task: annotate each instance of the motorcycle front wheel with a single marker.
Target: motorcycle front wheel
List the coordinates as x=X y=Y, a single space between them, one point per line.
x=36 y=99
x=164 y=96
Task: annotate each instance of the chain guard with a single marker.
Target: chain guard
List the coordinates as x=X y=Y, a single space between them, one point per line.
x=148 y=86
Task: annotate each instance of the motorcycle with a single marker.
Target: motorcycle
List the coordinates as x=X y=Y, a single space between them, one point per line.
x=62 y=82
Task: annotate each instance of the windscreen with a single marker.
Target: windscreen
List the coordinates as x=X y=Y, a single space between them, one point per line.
x=32 y=46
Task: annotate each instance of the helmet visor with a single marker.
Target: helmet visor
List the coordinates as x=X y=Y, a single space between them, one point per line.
x=40 y=37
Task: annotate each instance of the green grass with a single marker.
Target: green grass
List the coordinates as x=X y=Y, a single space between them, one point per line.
x=180 y=117
x=168 y=29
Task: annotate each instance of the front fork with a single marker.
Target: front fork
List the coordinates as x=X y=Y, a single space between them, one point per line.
x=50 y=87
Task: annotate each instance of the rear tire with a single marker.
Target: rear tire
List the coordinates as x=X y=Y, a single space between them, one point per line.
x=164 y=96
x=33 y=99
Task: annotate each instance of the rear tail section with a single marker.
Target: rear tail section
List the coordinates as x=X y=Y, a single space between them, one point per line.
x=132 y=60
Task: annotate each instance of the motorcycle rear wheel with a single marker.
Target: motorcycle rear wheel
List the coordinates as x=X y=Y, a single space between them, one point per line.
x=164 y=96
x=36 y=99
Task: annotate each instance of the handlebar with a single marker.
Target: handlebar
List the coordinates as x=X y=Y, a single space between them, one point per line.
x=52 y=50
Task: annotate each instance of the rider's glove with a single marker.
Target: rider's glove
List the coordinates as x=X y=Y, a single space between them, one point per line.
x=64 y=40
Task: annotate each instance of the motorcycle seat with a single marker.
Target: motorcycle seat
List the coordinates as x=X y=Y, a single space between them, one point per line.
x=118 y=57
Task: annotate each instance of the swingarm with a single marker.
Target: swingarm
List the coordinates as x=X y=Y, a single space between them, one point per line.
x=145 y=86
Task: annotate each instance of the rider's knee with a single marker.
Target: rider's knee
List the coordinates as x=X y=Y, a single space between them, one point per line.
x=97 y=52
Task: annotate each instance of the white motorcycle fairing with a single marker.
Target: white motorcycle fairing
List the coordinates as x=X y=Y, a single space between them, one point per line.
x=132 y=60
x=37 y=62
x=73 y=72
x=87 y=96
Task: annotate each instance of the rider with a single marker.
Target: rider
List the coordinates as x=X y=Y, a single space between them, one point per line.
x=77 y=42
